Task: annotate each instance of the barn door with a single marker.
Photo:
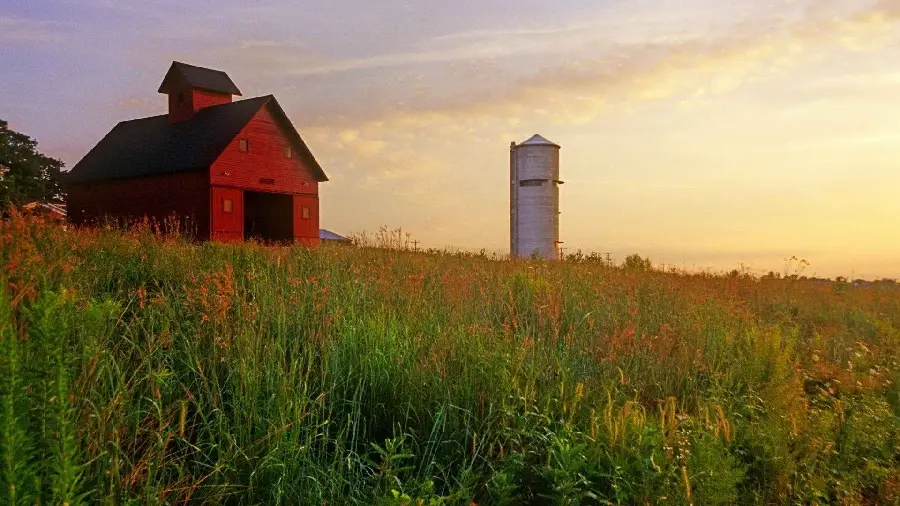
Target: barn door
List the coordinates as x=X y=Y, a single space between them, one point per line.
x=227 y=214
x=306 y=219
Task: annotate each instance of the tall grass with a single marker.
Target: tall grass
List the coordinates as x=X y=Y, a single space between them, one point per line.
x=139 y=369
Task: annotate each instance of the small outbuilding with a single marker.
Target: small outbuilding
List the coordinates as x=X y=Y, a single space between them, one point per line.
x=331 y=237
x=226 y=170
x=55 y=212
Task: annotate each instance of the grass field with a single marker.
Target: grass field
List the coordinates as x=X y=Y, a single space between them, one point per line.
x=148 y=370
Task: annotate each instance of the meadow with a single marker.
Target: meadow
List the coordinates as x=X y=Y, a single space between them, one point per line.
x=145 y=369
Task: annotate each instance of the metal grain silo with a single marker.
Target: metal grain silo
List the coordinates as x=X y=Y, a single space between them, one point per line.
x=534 y=198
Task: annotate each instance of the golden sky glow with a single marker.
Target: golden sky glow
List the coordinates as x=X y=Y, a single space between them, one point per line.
x=700 y=133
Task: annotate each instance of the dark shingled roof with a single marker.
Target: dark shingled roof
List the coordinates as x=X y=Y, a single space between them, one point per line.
x=153 y=146
x=198 y=77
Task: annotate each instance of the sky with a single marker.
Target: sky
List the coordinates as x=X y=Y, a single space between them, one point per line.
x=700 y=133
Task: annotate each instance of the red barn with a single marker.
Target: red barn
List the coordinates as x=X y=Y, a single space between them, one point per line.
x=232 y=170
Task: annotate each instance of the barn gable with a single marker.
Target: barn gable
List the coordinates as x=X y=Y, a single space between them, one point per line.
x=268 y=155
x=304 y=151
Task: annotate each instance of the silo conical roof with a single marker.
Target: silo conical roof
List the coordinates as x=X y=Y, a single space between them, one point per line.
x=537 y=140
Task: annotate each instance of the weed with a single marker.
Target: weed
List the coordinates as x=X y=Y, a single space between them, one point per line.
x=141 y=368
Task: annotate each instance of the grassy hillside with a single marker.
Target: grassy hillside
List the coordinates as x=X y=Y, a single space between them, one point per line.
x=146 y=370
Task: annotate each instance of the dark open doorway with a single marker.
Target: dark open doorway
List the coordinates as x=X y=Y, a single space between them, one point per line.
x=268 y=217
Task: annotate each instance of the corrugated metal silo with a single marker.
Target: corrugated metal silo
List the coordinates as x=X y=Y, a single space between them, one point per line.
x=534 y=198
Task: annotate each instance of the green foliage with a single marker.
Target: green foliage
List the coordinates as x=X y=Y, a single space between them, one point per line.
x=25 y=173
x=637 y=263
x=137 y=369
x=715 y=473
x=16 y=444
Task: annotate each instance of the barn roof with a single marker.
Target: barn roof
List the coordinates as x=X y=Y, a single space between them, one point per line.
x=154 y=146
x=198 y=77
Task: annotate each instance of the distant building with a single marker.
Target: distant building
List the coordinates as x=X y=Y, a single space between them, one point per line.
x=234 y=170
x=534 y=198
x=54 y=211
x=331 y=237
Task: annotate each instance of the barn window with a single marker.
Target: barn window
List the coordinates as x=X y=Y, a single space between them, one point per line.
x=531 y=182
x=181 y=98
x=244 y=145
x=288 y=152
x=266 y=180
x=226 y=205
x=305 y=213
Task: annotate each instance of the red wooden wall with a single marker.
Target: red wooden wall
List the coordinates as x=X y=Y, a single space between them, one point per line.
x=202 y=99
x=194 y=100
x=227 y=214
x=184 y=195
x=264 y=168
x=264 y=161
x=306 y=230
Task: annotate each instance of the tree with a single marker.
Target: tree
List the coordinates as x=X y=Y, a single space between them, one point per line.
x=25 y=173
x=638 y=263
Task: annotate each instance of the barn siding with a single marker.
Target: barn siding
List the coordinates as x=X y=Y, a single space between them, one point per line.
x=180 y=111
x=265 y=160
x=183 y=195
x=227 y=225
x=202 y=99
x=194 y=100
x=306 y=230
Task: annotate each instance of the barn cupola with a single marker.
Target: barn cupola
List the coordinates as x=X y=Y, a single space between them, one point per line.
x=192 y=88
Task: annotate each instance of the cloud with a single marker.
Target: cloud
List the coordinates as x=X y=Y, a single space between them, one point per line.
x=472 y=46
x=364 y=155
x=378 y=112
x=141 y=104
x=580 y=87
x=573 y=72
x=866 y=142
x=21 y=30
x=377 y=144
